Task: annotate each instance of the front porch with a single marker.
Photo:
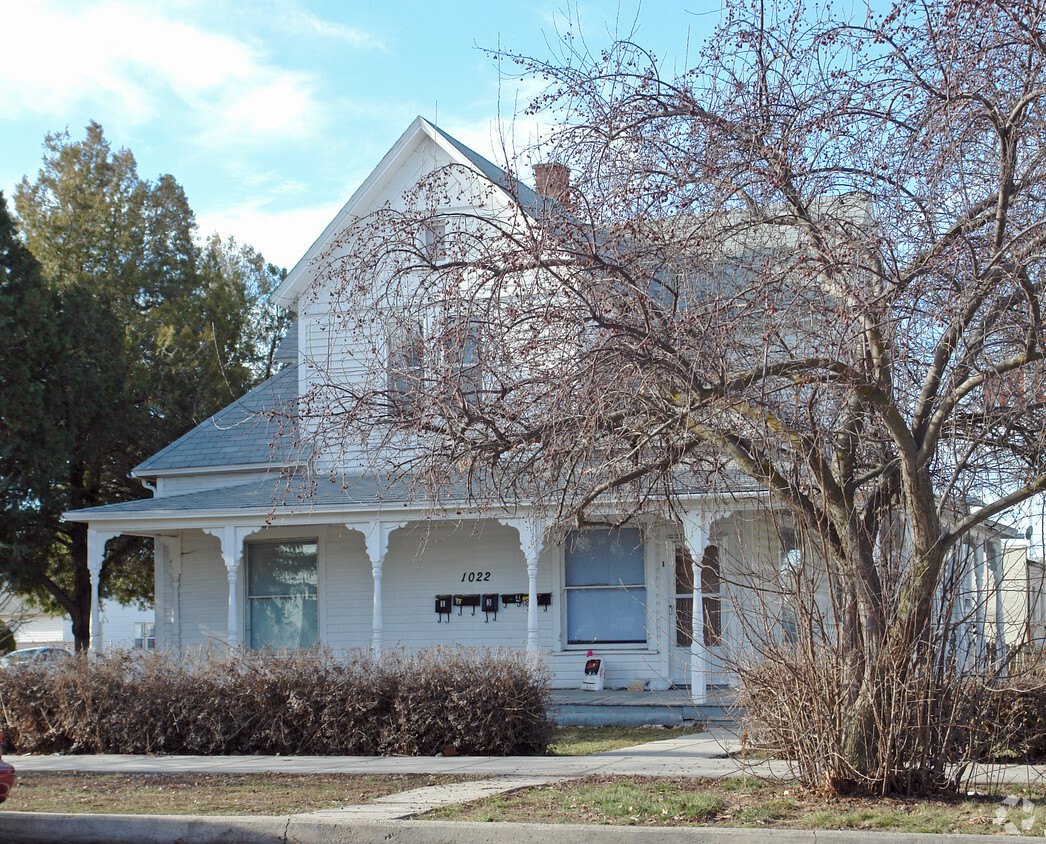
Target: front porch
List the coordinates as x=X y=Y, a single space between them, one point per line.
x=346 y=575
x=623 y=708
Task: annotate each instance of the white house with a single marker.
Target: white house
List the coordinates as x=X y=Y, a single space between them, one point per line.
x=255 y=547
x=124 y=626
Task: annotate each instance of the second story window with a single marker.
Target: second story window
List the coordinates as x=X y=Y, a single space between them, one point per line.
x=432 y=246
x=406 y=362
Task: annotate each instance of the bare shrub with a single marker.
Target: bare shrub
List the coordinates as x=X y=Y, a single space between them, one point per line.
x=476 y=701
x=932 y=721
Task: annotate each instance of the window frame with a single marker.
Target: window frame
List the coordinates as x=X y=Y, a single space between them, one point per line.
x=711 y=596
x=144 y=635
x=637 y=591
x=248 y=626
x=404 y=365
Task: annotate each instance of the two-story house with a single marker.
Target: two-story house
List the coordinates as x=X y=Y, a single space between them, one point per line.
x=262 y=542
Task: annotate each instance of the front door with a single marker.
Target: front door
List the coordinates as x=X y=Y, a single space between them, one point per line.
x=711 y=626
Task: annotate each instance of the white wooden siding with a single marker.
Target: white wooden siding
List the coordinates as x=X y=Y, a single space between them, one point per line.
x=204 y=592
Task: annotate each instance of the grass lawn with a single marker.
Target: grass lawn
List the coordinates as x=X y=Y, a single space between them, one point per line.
x=204 y=794
x=580 y=741
x=749 y=802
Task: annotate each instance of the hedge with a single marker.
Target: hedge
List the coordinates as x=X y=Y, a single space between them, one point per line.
x=460 y=700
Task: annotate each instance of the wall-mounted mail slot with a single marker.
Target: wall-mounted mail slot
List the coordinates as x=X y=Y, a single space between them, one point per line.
x=545 y=600
x=516 y=598
x=466 y=601
x=442 y=607
x=490 y=605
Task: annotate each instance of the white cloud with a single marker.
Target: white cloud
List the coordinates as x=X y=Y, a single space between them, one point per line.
x=133 y=61
x=295 y=18
x=281 y=236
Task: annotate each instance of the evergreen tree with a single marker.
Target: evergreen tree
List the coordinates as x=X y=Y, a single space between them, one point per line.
x=123 y=332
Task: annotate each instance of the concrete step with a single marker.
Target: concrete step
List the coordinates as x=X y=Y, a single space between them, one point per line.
x=611 y=707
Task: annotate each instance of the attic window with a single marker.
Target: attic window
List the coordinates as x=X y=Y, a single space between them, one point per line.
x=432 y=234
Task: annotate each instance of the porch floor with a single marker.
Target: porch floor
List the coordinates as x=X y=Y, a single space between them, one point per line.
x=624 y=708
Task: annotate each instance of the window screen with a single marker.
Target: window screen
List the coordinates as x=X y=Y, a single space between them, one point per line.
x=606 y=591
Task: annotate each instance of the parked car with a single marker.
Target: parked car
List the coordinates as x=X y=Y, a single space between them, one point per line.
x=7 y=774
x=27 y=656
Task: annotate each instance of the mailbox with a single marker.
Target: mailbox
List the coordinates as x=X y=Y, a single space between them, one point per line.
x=545 y=600
x=461 y=601
x=490 y=605
x=442 y=607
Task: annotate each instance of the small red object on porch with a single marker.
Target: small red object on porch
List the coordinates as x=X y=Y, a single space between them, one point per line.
x=593 y=679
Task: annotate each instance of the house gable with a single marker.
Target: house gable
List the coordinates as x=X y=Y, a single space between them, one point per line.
x=421 y=149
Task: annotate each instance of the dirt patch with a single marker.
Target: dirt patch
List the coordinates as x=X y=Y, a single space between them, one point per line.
x=204 y=794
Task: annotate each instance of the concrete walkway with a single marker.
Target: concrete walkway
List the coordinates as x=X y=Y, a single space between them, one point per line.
x=708 y=754
x=698 y=755
x=387 y=818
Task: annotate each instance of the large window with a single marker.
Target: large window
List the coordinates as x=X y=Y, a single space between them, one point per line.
x=281 y=595
x=605 y=587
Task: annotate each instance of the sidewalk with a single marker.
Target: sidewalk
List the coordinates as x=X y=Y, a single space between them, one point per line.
x=393 y=817
x=700 y=755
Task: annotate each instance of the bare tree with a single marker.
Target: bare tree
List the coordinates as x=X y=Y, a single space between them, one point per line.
x=811 y=266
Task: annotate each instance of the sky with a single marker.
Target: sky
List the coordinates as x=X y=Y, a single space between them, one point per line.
x=271 y=112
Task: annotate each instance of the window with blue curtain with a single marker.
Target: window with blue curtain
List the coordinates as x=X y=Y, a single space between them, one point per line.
x=605 y=587
x=282 y=595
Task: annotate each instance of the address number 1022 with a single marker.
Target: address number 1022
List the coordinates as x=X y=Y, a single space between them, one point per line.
x=475 y=576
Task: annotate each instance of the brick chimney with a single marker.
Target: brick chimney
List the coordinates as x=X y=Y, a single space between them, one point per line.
x=552 y=181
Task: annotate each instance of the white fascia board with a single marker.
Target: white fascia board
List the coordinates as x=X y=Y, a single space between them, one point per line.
x=290 y=288
x=286 y=295
x=224 y=469
x=160 y=521
x=163 y=521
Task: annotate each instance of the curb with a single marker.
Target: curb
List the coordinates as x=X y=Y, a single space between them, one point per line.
x=40 y=828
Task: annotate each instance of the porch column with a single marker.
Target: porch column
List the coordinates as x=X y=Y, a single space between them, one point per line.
x=169 y=552
x=96 y=540
x=696 y=525
x=376 y=534
x=231 y=539
x=531 y=538
x=994 y=555
x=979 y=570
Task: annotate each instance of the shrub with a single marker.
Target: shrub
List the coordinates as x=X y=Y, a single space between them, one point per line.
x=930 y=723
x=474 y=701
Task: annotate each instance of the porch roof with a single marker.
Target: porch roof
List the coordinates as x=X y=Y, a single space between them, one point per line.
x=299 y=495
x=274 y=494
x=256 y=429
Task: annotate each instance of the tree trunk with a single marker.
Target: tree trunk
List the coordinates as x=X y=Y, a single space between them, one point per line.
x=80 y=612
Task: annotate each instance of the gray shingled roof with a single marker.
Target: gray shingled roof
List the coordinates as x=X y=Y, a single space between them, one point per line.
x=266 y=496
x=258 y=428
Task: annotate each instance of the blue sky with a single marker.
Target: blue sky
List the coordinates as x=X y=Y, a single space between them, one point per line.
x=270 y=112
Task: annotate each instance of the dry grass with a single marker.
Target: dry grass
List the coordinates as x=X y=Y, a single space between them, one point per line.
x=661 y=801
x=581 y=741
x=204 y=794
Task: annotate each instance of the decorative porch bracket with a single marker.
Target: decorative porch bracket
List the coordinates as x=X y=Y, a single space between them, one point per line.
x=531 y=539
x=96 y=540
x=376 y=535
x=231 y=538
x=697 y=525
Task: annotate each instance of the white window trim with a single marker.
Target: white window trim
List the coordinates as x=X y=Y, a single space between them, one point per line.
x=650 y=583
x=265 y=538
